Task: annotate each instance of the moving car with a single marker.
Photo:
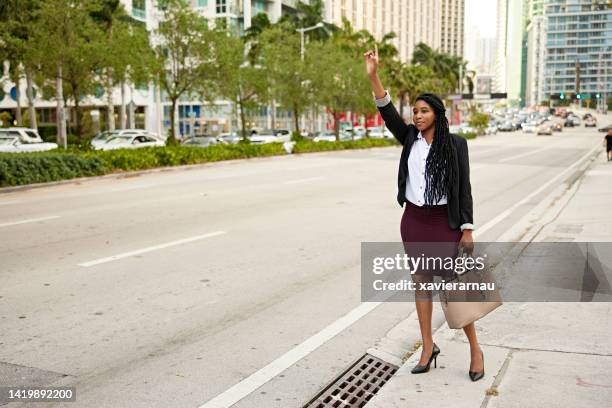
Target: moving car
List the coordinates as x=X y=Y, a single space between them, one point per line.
x=200 y=141
x=530 y=127
x=130 y=142
x=545 y=129
x=590 y=122
x=557 y=127
x=506 y=126
x=16 y=140
x=605 y=128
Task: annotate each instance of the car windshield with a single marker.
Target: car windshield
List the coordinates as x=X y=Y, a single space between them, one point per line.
x=119 y=140
x=7 y=141
x=104 y=135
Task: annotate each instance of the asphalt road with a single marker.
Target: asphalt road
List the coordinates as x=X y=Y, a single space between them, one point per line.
x=169 y=289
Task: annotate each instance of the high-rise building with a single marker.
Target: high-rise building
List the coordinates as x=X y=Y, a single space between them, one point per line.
x=452 y=27
x=413 y=21
x=509 y=49
x=536 y=48
x=579 y=47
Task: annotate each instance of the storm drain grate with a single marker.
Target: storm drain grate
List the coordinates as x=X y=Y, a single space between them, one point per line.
x=355 y=386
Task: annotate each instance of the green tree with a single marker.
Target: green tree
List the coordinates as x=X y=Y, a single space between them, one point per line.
x=339 y=80
x=479 y=121
x=67 y=45
x=184 y=57
x=280 y=57
x=239 y=80
x=17 y=20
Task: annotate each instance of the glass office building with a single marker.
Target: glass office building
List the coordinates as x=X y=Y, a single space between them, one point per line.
x=578 y=47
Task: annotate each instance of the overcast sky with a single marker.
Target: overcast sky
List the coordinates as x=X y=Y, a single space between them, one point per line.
x=482 y=14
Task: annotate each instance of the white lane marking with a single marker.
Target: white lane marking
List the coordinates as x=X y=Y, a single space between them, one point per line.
x=507 y=212
x=10 y=202
x=265 y=374
x=518 y=156
x=303 y=180
x=8 y=224
x=150 y=249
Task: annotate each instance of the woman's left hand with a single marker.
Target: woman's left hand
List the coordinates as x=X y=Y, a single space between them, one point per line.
x=467 y=242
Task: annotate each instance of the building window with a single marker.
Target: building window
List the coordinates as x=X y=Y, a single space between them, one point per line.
x=139 y=8
x=202 y=3
x=221 y=6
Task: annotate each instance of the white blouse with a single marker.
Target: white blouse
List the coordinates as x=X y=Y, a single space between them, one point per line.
x=415 y=183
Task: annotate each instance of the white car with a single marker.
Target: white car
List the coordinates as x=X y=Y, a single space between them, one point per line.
x=269 y=137
x=105 y=136
x=17 y=140
x=379 y=132
x=130 y=142
x=530 y=127
x=329 y=136
x=12 y=144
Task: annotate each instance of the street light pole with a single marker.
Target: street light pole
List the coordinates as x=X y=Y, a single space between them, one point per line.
x=302 y=31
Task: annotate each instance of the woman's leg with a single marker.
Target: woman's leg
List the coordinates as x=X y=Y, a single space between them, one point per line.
x=476 y=363
x=424 y=307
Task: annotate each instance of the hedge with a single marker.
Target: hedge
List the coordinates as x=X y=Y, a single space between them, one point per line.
x=27 y=168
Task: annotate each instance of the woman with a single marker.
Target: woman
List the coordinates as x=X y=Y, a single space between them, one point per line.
x=434 y=186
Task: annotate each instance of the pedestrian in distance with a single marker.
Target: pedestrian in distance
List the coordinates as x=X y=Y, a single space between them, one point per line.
x=434 y=189
x=608 y=144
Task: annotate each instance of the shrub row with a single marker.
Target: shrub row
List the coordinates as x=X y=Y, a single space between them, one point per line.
x=27 y=168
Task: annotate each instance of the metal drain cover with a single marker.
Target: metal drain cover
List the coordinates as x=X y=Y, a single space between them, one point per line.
x=355 y=386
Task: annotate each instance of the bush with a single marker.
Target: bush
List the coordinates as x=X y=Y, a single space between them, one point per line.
x=306 y=146
x=27 y=168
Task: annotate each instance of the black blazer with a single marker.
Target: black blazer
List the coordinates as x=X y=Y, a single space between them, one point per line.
x=459 y=199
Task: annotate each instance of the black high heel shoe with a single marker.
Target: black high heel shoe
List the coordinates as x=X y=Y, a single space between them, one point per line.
x=477 y=375
x=418 y=369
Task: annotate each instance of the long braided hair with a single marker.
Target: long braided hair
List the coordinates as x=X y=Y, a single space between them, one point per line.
x=440 y=168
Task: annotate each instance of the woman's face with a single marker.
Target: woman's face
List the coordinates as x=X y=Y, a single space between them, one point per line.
x=423 y=116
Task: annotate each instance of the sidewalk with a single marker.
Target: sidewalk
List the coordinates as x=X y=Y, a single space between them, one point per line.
x=536 y=354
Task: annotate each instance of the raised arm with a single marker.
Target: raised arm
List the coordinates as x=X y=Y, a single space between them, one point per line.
x=392 y=118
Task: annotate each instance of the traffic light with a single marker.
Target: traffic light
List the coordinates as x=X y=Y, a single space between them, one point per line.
x=577 y=96
x=597 y=95
x=562 y=96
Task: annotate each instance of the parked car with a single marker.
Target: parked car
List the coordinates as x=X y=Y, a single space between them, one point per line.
x=545 y=129
x=130 y=142
x=200 y=141
x=557 y=127
x=228 y=138
x=329 y=136
x=269 y=136
x=14 y=144
x=530 y=127
x=590 y=122
x=105 y=136
x=379 y=132
x=25 y=135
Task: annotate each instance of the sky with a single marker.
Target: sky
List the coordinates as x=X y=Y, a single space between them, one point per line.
x=482 y=14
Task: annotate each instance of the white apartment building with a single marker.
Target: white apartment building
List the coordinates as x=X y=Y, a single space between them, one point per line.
x=536 y=51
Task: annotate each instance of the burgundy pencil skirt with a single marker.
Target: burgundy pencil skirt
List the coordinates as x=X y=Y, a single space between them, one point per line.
x=427 y=225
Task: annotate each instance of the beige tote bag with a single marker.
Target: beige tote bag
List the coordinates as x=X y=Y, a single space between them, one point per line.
x=462 y=307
